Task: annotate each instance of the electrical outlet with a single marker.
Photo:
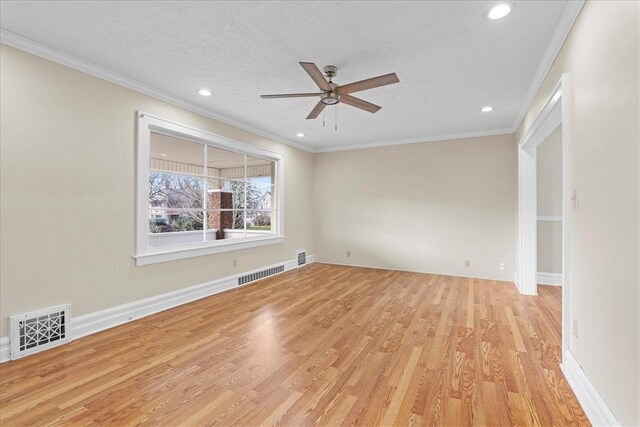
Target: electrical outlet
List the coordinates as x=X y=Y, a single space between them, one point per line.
x=235 y=262
x=467 y=263
x=575 y=328
x=502 y=266
x=348 y=254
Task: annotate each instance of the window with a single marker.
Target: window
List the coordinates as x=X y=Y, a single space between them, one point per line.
x=200 y=193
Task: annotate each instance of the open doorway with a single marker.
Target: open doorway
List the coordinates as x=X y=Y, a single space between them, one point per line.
x=549 y=209
x=545 y=199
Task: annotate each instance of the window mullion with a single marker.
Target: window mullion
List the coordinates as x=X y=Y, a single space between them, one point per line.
x=246 y=189
x=205 y=215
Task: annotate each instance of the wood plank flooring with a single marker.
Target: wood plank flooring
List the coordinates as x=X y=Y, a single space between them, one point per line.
x=323 y=345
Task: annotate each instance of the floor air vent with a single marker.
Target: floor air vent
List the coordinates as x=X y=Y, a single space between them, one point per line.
x=260 y=274
x=39 y=330
x=302 y=257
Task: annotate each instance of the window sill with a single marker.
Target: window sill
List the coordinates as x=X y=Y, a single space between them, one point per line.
x=190 y=252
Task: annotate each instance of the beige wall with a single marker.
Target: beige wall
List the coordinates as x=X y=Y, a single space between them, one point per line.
x=601 y=55
x=424 y=207
x=68 y=190
x=549 y=194
x=549 y=247
x=549 y=174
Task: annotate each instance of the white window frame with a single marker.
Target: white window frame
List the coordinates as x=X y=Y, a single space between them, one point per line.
x=146 y=254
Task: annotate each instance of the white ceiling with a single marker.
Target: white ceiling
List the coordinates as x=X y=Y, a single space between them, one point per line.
x=451 y=61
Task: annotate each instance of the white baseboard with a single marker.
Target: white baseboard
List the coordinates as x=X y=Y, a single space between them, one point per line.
x=554 y=279
x=4 y=349
x=104 y=319
x=592 y=403
x=432 y=272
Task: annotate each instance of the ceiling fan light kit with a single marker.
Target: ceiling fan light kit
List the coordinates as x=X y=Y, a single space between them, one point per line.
x=330 y=98
x=332 y=94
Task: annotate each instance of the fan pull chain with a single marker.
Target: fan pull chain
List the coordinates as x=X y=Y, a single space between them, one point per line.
x=323 y=115
x=336 y=120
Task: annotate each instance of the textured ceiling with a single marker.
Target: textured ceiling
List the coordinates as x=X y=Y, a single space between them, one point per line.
x=451 y=61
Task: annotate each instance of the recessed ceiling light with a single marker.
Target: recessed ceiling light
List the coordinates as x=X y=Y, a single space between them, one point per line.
x=300 y=135
x=486 y=109
x=163 y=154
x=499 y=11
x=204 y=92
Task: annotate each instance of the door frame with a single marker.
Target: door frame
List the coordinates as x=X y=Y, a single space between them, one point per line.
x=557 y=109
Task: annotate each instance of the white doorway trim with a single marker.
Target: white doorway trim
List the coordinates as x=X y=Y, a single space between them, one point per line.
x=558 y=109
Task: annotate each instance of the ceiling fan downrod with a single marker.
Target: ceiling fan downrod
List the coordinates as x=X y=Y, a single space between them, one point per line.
x=330 y=71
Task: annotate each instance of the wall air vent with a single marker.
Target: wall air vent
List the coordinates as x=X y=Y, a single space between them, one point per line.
x=39 y=330
x=301 y=257
x=260 y=274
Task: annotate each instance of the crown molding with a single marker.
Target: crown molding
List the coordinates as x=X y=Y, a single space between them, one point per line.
x=434 y=138
x=31 y=46
x=569 y=15
x=565 y=24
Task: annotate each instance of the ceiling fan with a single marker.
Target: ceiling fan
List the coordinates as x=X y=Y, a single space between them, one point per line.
x=332 y=93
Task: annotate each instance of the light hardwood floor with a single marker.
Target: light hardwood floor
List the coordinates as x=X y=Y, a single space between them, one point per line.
x=325 y=345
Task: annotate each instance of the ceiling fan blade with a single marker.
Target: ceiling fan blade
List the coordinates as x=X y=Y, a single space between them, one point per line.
x=316 y=110
x=371 y=83
x=289 y=95
x=317 y=76
x=359 y=103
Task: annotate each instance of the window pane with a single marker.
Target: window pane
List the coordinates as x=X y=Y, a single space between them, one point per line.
x=169 y=228
x=224 y=163
x=168 y=220
x=263 y=181
x=168 y=190
x=260 y=171
x=234 y=228
x=176 y=155
x=259 y=197
x=238 y=220
x=258 y=222
x=225 y=194
x=220 y=220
